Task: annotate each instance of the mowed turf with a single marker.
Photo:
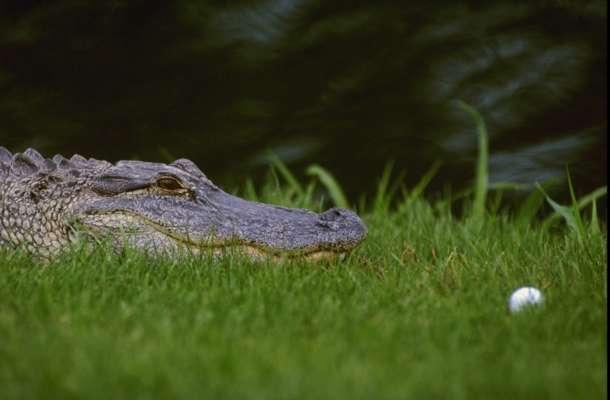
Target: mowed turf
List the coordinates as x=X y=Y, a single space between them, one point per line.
x=418 y=311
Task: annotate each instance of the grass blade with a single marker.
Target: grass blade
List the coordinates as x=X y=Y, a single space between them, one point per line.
x=166 y=155
x=307 y=200
x=328 y=181
x=292 y=181
x=482 y=174
x=508 y=186
x=250 y=190
x=382 y=197
x=532 y=204
x=575 y=209
x=582 y=203
x=424 y=181
x=594 y=229
x=567 y=213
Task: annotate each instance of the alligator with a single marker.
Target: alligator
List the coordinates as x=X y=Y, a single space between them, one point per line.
x=161 y=209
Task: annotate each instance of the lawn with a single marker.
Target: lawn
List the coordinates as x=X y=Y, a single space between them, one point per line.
x=418 y=311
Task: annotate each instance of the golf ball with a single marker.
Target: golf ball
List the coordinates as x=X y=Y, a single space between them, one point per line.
x=523 y=297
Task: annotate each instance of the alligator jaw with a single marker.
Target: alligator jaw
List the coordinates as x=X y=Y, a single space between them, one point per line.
x=259 y=254
x=158 y=238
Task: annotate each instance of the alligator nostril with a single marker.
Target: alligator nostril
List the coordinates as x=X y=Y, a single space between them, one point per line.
x=334 y=215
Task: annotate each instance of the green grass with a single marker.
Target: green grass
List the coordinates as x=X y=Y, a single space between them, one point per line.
x=418 y=311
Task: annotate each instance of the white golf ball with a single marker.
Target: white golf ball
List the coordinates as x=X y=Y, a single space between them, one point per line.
x=523 y=297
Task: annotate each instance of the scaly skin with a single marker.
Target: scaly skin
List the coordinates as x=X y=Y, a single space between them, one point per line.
x=45 y=204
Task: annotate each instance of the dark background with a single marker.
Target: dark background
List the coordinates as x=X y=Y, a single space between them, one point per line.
x=348 y=85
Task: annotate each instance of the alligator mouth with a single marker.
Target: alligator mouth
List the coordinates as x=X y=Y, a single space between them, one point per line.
x=172 y=240
x=261 y=254
x=254 y=251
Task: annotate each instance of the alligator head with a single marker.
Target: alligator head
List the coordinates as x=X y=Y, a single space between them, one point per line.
x=170 y=208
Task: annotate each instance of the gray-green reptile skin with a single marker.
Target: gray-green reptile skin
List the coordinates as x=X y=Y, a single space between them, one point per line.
x=45 y=204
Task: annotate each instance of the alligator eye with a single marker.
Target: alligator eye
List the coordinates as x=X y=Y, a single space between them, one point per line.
x=169 y=183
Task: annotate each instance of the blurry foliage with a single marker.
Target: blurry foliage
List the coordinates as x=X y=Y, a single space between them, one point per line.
x=347 y=85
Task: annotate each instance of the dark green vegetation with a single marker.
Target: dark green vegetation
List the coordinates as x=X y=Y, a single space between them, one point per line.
x=347 y=84
x=418 y=311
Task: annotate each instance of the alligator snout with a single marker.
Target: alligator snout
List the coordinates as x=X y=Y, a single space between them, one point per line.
x=340 y=218
x=344 y=227
x=336 y=214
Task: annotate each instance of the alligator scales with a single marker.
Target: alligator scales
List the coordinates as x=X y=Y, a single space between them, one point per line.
x=46 y=204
